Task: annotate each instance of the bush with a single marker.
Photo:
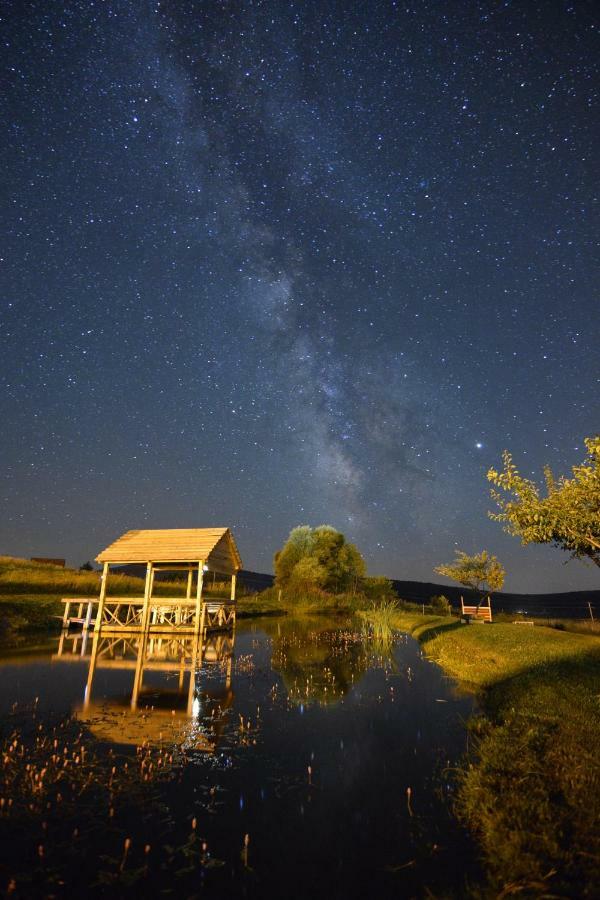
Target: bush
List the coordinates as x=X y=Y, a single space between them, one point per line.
x=377 y=589
x=441 y=605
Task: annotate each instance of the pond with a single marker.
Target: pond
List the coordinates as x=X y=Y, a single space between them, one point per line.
x=294 y=758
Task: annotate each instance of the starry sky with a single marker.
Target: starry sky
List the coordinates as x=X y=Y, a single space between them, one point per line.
x=269 y=263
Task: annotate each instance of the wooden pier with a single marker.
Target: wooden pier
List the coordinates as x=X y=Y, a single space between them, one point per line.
x=192 y=551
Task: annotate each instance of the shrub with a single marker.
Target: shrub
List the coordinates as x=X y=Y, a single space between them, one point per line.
x=441 y=605
x=377 y=589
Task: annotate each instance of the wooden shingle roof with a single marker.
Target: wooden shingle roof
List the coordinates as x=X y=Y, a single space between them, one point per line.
x=213 y=546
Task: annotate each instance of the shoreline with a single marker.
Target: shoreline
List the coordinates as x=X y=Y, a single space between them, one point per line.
x=528 y=789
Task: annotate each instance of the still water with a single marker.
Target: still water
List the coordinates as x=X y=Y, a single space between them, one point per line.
x=299 y=760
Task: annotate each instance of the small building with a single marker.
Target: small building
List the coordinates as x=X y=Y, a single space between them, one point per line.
x=49 y=561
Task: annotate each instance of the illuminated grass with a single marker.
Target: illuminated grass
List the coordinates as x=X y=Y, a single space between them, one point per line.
x=531 y=789
x=30 y=592
x=21 y=576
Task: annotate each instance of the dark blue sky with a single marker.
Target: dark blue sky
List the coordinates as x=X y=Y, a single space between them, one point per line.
x=277 y=263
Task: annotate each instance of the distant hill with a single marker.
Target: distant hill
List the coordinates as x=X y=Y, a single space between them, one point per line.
x=572 y=604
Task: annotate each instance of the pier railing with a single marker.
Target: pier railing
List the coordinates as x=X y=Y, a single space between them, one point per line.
x=167 y=614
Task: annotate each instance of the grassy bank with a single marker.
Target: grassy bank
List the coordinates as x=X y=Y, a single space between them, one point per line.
x=273 y=601
x=531 y=788
x=31 y=593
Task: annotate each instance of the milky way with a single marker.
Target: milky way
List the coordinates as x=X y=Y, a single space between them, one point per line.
x=268 y=264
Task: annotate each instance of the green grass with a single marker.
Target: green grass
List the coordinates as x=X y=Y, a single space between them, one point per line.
x=301 y=602
x=30 y=593
x=23 y=613
x=264 y=604
x=531 y=788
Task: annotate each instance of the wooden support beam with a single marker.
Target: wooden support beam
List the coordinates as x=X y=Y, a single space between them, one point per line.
x=195 y=662
x=88 y=687
x=147 y=595
x=233 y=583
x=139 y=670
x=102 y=598
x=199 y=623
x=88 y=616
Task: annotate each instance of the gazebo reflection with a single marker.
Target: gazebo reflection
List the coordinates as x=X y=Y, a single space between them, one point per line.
x=180 y=687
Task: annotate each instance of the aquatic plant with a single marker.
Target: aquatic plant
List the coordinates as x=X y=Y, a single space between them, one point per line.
x=380 y=619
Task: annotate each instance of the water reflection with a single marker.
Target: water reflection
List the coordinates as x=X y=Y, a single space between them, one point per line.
x=180 y=687
x=319 y=662
x=333 y=757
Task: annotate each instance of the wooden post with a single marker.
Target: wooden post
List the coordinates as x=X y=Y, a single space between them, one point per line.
x=199 y=603
x=88 y=687
x=139 y=670
x=65 y=621
x=233 y=582
x=591 y=615
x=88 y=616
x=147 y=594
x=191 y=691
x=102 y=598
x=229 y=670
x=195 y=663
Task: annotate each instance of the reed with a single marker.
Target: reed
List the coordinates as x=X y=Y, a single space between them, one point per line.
x=73 y=814
x=380 y=619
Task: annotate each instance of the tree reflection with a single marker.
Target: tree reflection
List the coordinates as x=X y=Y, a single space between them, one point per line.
x=319 y=660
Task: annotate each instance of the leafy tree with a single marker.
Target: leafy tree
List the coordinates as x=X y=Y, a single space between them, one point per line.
x=308 y=572
x=481 y=573
x=351 y=568
x=300 y=543
x=318 y=557
x=568 y=516
x=86 y=567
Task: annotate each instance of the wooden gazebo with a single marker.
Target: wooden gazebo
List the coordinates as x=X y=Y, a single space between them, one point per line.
x=191 y=550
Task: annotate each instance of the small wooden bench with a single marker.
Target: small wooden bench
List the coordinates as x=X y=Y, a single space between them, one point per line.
x=481 y=613
x=523 y=622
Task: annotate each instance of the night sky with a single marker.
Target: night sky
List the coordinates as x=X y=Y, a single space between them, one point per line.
x=272 y=263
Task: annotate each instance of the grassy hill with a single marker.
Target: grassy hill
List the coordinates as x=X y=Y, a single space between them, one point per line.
x=30 y=592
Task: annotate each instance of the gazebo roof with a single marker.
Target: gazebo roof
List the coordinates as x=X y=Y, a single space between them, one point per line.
x=213 y=546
